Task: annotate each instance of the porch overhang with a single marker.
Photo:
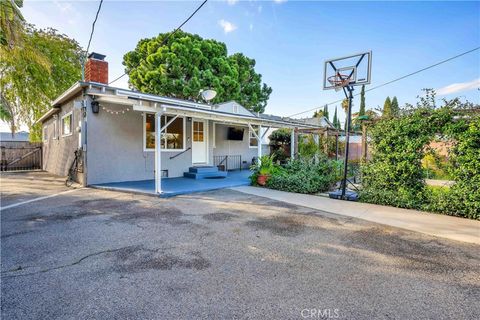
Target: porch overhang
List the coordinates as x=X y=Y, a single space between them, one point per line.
x=153 y=105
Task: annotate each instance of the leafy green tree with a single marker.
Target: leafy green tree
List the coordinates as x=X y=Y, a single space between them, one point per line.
x=11 y=22
x=345 y=105
x=318 y=114
x=361 y=112
x=29 y=81
x=187 y=63
x=387 y=108
x=280 y=141
x=394 y=107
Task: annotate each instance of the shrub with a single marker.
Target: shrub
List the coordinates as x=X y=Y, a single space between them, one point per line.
x=395 y=175
x=305 y=176
x=464 y=197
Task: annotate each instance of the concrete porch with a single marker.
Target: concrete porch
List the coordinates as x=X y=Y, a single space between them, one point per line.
x=181 y=185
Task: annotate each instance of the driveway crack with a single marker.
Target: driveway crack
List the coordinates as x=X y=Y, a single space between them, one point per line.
x=59 y=267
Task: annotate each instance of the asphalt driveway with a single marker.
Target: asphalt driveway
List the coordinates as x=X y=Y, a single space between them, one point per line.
x=92 y=254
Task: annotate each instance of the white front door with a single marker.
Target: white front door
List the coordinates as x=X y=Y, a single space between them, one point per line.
x=199 y=141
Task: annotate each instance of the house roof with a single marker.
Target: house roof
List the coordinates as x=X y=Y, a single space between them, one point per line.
x=105 y=93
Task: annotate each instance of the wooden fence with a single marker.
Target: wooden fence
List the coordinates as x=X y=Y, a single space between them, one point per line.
x=20 y=155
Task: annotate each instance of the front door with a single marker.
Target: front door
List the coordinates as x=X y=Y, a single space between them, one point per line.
x=199 y=141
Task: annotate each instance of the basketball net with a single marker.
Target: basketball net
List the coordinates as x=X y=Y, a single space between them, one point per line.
x=339 y=81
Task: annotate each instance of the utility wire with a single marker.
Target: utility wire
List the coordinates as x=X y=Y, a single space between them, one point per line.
x=91 y=36
x=166 y=38
x=397 y=79
x=93 y=25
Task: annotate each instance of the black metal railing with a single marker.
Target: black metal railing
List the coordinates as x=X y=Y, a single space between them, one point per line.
x=180 y=153
x=227 y=163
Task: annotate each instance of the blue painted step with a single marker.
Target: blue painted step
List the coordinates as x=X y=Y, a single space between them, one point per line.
x=204 y=172
x=203 y=169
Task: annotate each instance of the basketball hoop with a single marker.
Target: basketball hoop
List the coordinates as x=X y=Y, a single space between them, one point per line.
x=339 y=81
x=346 y=73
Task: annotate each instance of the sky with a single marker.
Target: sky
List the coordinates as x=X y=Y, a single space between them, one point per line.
x=290 y=40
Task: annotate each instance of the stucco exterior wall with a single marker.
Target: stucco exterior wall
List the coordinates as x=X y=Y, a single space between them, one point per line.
x=116 y=152
x=224 y=147
x=58 y=153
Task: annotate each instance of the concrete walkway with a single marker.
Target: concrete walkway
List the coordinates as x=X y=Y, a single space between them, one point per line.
x=443 y=226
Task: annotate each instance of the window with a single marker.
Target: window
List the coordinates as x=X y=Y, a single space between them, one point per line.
x=45 y=133
x=67 y=123
x=253 y=138
x=172 y=137
x=198 y=131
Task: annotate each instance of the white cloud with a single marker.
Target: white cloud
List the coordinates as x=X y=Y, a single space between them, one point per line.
x=260 y=8
x=232 y=2
x=64 y=7
x=227 y=26
x=458 y=87
x=279 y=1
x=251 y=26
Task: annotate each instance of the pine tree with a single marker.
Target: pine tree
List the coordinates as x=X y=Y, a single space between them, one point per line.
x=395 y=108
x=335 y=118
x=362 y=102
x=325 y=112
x=387 y=108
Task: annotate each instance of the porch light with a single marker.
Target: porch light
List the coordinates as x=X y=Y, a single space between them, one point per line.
x=95 y=106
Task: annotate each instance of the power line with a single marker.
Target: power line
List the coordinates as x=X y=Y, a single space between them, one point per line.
x=93 y=25
x=166 y=38
x=90 y=39
x=397 y=79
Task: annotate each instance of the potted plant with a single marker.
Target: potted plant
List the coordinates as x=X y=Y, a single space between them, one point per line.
x=263 y=169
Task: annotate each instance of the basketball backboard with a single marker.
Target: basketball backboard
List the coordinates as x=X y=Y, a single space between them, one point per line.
x=353 y=70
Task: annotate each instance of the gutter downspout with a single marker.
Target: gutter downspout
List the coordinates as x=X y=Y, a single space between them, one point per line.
x=83 y=136
x=158 y=153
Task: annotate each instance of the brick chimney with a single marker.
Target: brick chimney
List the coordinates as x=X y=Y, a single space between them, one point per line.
x=96 y=68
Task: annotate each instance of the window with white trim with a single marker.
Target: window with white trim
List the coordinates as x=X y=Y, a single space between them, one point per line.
x=172 y=138
x=67 y=124
x=253 y=143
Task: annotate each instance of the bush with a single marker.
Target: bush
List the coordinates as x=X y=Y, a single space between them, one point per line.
x=464 y=196
x=395 y=175
x=305 y=176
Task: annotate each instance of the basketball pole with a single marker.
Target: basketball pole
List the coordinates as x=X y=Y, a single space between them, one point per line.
x=347 y=139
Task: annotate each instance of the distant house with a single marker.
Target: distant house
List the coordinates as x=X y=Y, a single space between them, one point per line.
x=18 y=136
x=319 y=121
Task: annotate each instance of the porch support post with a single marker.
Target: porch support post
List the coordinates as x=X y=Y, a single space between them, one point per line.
x=158 y=153
x=292 y=144
x=317 y=144
x=259 y=143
